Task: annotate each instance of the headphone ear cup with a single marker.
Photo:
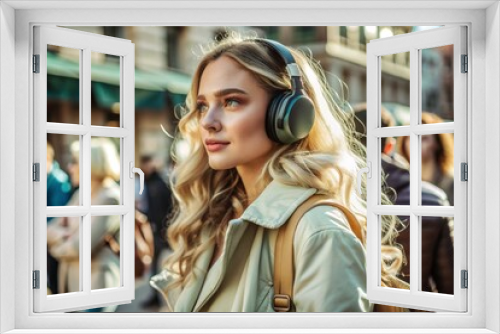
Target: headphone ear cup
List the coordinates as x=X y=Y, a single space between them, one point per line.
x=290 y=118
x=272 y=115
x=298 y=118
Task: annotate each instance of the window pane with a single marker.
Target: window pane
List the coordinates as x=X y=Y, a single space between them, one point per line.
x=105 y=171
x=63 y=84
x=105 y=267
x=437 y=169
x=437 y=84
x=403 y=242
x=395 y=247
x=437 y=254
x=396 y=168
x=63 y=170
x=395 y=89
x=63 y=255
x=105 y=89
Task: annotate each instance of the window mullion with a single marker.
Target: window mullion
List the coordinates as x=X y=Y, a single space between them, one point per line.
x=101 y=131
x=394 y=210
x=404 y=210
x=396 y=131
x=414 y=170
x=85 y=177
x=66 y=211
x=431 y=129
x=66 y=129
x=434 y=211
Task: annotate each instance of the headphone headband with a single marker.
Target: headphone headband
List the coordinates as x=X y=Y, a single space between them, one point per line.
x=291 y=66
x=280 y=49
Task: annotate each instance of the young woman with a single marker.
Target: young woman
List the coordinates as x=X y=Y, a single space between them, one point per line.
x=243 y=179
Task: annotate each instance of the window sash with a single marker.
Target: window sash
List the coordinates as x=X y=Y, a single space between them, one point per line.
x=412 y=43
x=86 y=43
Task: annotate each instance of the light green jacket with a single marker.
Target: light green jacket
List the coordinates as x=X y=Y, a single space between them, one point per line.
x=330 y=268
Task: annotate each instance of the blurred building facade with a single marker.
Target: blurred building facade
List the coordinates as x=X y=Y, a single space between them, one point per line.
x=166 y=57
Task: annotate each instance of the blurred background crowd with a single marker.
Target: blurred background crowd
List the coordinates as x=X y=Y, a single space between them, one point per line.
x=165 y=59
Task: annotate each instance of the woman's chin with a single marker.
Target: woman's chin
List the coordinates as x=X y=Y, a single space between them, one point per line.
x=219 y=165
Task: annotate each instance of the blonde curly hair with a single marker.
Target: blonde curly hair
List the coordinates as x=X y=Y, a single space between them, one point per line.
x=328 y=160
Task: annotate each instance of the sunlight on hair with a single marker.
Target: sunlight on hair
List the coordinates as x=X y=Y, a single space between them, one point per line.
x=166 y=132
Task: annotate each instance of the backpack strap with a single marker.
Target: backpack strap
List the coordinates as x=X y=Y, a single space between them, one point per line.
x=283 y=252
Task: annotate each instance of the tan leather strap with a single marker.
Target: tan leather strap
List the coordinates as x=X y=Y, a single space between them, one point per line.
x=283 y=252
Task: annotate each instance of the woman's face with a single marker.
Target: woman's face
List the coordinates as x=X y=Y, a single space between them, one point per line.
x=232 y=112
x=429 y=146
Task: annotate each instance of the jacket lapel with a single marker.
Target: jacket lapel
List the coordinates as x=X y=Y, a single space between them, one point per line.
x=235 y=232
x=187 y=298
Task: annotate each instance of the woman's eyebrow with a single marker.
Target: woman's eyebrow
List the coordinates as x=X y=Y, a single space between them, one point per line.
x=224 y=92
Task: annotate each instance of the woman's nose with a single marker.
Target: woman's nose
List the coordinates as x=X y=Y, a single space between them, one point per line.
x=211 y=120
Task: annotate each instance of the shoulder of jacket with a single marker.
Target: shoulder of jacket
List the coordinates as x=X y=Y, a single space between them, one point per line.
x=322 y=218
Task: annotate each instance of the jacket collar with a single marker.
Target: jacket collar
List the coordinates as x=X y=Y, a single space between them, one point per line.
x=276 y=204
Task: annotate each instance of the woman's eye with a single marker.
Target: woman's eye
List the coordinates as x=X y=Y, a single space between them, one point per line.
x=201 y=107
x=232 y=103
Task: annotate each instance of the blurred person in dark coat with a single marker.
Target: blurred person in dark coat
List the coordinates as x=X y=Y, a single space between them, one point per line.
x=437 y=156
x=58 y=194
x=437 y=241
x=158 y=205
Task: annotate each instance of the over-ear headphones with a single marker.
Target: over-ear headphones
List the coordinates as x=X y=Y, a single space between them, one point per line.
x=290 y=114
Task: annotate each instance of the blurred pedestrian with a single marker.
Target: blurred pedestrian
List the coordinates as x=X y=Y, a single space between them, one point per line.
x=157 y=200
x=437 y=242
x=58 y=183
x=437 y=156
x=63 y=234
x=58 y=194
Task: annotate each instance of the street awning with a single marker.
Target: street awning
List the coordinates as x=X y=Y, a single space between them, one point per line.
x=151 y=88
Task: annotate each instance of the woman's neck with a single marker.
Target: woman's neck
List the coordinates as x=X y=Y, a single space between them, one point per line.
x=249 y=178
x=249 y=174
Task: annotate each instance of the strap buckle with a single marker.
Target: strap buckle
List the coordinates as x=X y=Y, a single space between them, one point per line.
x=282 y=303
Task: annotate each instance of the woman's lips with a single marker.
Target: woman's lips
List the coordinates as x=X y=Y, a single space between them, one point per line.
x=216 y=147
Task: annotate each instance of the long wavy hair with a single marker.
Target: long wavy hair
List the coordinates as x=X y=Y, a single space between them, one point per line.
x=328 y=160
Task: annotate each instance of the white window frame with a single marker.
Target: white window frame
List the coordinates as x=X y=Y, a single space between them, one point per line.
x=16 y=21
x=414 y=43
x=85 y=43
